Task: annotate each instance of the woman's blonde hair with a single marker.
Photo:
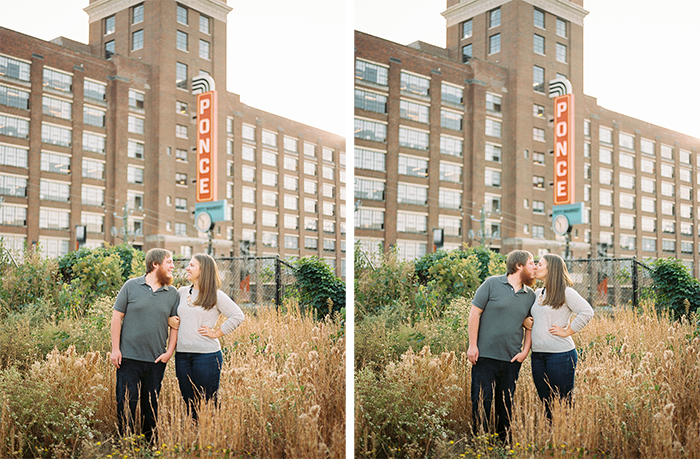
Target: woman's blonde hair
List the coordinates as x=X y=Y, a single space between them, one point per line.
x=209 y=281
x=556 y=281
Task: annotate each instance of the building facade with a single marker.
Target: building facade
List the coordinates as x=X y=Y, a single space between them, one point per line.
x=461 y=139
x=102 y=135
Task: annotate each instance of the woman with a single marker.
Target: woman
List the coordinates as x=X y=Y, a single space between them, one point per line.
x=198 y=357
x=554 y=355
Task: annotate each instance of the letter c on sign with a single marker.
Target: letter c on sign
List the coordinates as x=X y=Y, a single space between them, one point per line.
x=204 y=165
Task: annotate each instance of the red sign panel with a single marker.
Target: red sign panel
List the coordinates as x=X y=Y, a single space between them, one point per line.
x=206 y=146
x=564 y=149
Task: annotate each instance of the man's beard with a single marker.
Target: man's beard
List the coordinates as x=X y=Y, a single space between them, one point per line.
x=163 y=276
x=528 y=277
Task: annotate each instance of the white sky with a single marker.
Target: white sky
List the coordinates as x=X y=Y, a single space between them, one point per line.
x=640 y=56
x=284 y=57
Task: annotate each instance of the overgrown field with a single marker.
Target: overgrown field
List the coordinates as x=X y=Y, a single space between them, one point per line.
x=637 y=390
x=282 y=392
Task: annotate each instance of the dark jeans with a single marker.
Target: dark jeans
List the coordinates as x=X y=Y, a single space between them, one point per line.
x=198 y=375
x=553 y=374
x=138 y=380
x=493 y=381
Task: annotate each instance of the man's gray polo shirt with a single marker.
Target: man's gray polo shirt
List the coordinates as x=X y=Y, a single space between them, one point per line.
x=144 y=334
x=501 y=324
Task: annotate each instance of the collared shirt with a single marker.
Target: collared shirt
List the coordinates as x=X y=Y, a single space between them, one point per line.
x=501 y=324
x=144 y=333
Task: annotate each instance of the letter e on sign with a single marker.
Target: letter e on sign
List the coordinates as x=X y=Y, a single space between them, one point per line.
x=563 y=149
x=206 y=146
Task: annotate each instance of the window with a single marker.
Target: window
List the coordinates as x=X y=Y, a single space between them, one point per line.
x=370 y=130
x=467 y=53
x=204 y=49
x=310 y=205
x=668 y=226
x=180 y=131
x=110 y=24
x=248 y=132
x=686 y=211
x=137 y=14
x=448 y=146
x=606 y=197
x=495 y=43
x=492 y=177
x=248 y=174
x=371 y=101
x=134 y=174
x=561 y=53
x=13 y=156
x=291 y=144
x=649 y=224
x=137 y=40
x=538 y=44
x=182 y=15
x=54 y=191
x=493 y=152
x=415 y=84
x=648 y=185
x=135 y=149
x=180 y=155
x=181 y=40
x=291 y=164
x=181 y=204
x=269 y=198
x=412 y=138
x=493 y=103
x=310 y=168
x=309 y=149
x=109 y=49
x=11 y=185
x=667 y=170
x=371 y=73
x=627 y=181
x=538 y=158
x=493 y=128
x=627 y=221
x=411 y=223
x=329 y=209
x=605 y=155
x=685 y=175
x=627 y=241
x=606 y=176
x=539 y=19
x=452 y=94
x=269 y=219
x=291 y=242
x=606 y=218
x=181 y=229
x=668 y=245
x=368 y=159
x=684 y=157
x=538 y=110
x=538 y=231
x=94 y=116
x=13 y=97
x=627 y=201
x=538 y=182
x=291 y=202
x=94 y=90
x=248 y=195
x=538 y=207
x=467 y=29
x=648 y=245
x=686 y=229
x=269 y=158
x=450 y=172
x=329 y=226
x=93 y=142
x=668 y=189
x=410 y=165
x=269 y=178
x=52 y=162
x=450 y=199
x=451 y=120
x=291 y=183
x=495 y=17
x=57 y=80
x=12 y=68
x=647 y=147
x=328 y=173
x=412 y=194
x=136 y=99
x=668 y=208
x=561 y=28
x=538 y=134
x=54 y=219
x=57 y=108
x=134 y=200
x=327 y=154
x=12 y=216
x=666 y=152
x=626 y=161
x=269 y=138
x=204 y=24
x=410 y=110
x=181 y=75
x=53 y=134
x=538 y=78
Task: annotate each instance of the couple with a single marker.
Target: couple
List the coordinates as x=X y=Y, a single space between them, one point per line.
x=139 y=330
x=501 y=308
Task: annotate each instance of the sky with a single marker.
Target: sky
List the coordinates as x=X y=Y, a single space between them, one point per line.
x=309 y=40
x=639 y=55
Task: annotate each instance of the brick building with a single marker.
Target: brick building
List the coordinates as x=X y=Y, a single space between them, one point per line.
x=461 y=139
x=102 y=135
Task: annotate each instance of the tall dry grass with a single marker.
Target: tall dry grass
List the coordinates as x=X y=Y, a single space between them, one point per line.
x=282 y=395
x=637 y=395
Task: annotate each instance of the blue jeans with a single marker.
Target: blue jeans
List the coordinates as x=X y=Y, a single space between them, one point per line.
x=493 y=381
x=139 y=381
x=198 y=376
x=553 y=374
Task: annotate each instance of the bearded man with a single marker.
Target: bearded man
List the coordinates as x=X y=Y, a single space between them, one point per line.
x=496 y=349
x=140 y=344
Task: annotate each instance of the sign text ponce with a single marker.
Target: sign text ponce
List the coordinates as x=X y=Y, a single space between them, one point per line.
x=564 y=149
x=206 y=146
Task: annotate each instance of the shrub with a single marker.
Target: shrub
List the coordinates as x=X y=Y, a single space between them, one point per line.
x=318 y=287
x=676 y=290
x=32 y=281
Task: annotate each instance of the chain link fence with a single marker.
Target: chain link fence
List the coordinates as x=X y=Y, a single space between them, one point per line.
x=250 y=281
x=611 y=282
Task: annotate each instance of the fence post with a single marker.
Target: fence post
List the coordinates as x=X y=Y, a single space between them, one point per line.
x=635 y=283
x=278 y=281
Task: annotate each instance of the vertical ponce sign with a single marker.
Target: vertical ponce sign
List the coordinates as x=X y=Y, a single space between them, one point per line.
x=206 y=146
x=564 y=149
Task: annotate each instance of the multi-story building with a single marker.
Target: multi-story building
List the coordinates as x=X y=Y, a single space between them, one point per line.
x=102 y=135
x=461 y=139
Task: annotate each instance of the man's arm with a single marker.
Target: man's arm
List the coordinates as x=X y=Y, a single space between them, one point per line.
x=527 y=345
x=473 y=330
x=172 y=342
x=116 y=332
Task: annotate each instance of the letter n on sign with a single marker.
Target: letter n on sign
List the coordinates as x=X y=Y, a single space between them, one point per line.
x=564 y=149
x=206 y=146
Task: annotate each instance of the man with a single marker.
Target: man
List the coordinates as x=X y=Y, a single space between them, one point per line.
x=139 y=330
x=499 y=308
